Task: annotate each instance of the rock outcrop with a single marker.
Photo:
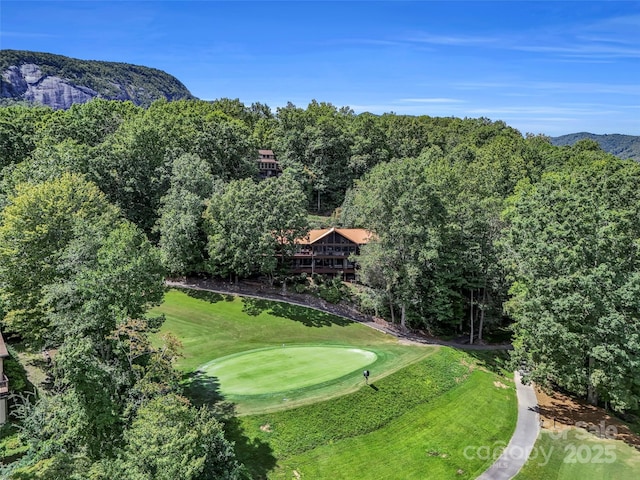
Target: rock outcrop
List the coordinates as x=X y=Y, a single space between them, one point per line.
x=27 y=82
x=59 y=82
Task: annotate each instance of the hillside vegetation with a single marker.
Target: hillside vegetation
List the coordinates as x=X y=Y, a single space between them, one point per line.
x=476 y=228
x=626 y=147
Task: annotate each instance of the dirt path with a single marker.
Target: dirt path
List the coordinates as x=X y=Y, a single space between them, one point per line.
x=559 y=411
x=258 y=290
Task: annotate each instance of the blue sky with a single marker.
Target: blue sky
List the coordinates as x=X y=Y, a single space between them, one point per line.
x=542 y=67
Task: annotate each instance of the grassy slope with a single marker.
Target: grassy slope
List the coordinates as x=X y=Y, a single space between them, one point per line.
x=425 y=406
x=416 y=422
x=578 y=455
x=212 y=326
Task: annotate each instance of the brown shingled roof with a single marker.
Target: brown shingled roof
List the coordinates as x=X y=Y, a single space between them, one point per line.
x=356 y=235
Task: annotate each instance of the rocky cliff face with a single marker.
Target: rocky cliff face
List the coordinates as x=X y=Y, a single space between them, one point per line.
x=59 y=82
x=27 y=82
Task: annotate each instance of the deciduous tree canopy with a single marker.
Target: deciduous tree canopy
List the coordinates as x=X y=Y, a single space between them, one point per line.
x=572 y=249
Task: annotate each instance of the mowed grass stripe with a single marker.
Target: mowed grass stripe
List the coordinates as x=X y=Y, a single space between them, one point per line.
x=427 y=442
x=284 y=368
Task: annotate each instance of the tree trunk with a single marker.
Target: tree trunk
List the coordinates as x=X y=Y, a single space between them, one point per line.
x=482 y=308
x=318 y=200
x=592 y=394
x=403 y=318
x=471 y=319
x=284 y=287
x=393 y=319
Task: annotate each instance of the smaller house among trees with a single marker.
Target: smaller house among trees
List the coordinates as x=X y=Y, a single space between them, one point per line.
x=4 y=382
x=268 y=166
x=330 y=251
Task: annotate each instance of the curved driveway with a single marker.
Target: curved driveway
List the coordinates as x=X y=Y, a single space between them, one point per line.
x=524 y=437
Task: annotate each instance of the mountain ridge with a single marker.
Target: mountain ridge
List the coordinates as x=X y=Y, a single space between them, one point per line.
x=626 y=147
x=59 y=81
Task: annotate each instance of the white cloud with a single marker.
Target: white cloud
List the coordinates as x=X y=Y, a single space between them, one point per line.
x=26 y=35
x=430 y=100
x=583 y=51
x=453 y=40
x=570 y=87
x=541 y=110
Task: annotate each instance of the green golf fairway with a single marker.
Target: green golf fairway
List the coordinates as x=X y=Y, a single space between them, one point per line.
x=280 y=369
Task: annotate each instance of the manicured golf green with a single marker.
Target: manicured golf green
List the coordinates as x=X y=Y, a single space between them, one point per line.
x=212 y=326
x=282 y=369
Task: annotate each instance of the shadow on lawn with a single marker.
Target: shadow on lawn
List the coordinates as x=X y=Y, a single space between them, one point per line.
x=496 y=361
x=307 y=316
x=202 y=389
x=255 y=454
x=207 y=296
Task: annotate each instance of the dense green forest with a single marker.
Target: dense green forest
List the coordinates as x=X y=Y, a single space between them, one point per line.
x=476 y=226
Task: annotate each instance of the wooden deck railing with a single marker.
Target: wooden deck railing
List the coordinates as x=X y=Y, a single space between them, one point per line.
x=4 y=386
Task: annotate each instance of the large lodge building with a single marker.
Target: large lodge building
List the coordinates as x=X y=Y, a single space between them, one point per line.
x=328 y=251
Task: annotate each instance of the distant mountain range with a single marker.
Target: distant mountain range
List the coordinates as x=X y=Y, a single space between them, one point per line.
x=626 y=147
x=59 y=81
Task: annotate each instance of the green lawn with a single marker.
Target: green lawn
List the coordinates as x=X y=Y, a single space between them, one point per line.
x=575 y=454
x=212 y=326
x=423 y=407
x=415 y=423
x=284 y=368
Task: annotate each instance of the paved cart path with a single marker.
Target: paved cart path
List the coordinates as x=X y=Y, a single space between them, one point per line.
x=522 y=442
